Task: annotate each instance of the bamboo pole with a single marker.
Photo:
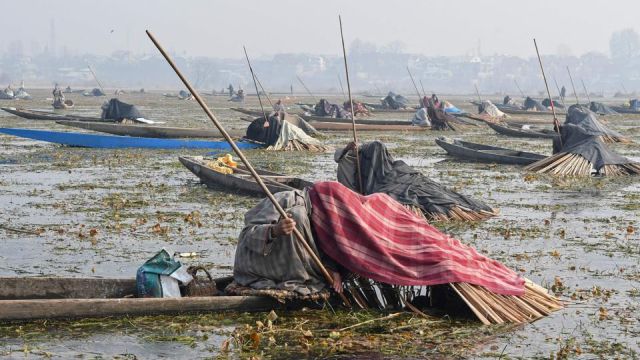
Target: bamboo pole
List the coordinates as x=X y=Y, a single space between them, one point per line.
x=246 y=162
x=256 y=85
x=263 y=90
x=518 y=86
x=556 y=124
x=341 y=87
x=586 y=91
x=305 y=87
x=353 y=117
x=96 y=78
x=422 y=87
x=559 y=92
x=477 y=92
x=573 y=86
x=414 y=86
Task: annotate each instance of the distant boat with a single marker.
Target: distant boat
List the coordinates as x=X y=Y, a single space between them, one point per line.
x=484 y=153
x=150 y=131
x=119 y=142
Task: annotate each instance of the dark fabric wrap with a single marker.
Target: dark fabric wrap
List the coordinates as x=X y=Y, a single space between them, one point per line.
x=382 y=174
x=118 y=110
x=266 y=135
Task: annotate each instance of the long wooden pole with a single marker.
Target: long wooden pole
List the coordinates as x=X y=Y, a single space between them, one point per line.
x=424 y=93
x=575 y=93
x=518 y=86
x=96 y=78
x=305 y=87
x=341 y=87
x=253 y=75
x=556 y=124
x=414 y=85
x=586 y=91
x=477 y=92
x=263 y=90
x=353 y=116
x=246 y=162
x=559 y=92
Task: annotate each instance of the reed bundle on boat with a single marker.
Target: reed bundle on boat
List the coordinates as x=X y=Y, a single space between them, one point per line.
x=455 y=213
x=488 y=307
x=296 y=145
x=569 y=164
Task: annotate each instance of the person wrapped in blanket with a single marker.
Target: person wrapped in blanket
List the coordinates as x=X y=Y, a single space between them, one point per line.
x=358 y=108
x=372 y=236
x=381 y=173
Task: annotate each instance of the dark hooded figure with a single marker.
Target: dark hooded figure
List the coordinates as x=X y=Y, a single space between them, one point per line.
x=507 y=99
x=563 y=92
x=266 y=132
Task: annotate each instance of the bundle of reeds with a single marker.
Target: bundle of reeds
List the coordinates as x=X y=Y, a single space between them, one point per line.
x=615 y=139
x=455 y=213
x=488 y=307
x=296 y=145
x=569 y=164
x=491 y=308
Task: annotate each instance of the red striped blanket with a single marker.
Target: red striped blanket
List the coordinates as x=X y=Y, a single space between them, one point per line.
x=378 y=238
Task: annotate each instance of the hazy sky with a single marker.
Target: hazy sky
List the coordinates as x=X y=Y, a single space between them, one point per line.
x=220 y=28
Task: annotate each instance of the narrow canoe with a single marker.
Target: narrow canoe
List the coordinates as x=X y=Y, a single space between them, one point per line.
x=118 y=142
x=624 y=110
x=514 y=111
x=149 y=131
x=45 y=115
x=358 y=121
x=378 y=108
x=484 y=153
x=525 y=133
x=334 y=126
x=31 y=298
x=241 y=181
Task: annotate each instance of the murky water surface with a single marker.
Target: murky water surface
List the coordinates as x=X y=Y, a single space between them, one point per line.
x=102 y=213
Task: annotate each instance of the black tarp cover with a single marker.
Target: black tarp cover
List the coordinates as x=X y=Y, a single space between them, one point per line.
x=581 y=134
x=118 y=110
x=256 y=131
x=325 y=108
x=600 y=108
x=382 y=174
x=580 y=115
x=532 y=104
x=546 y=102
x=97 y=92
x=395 y=101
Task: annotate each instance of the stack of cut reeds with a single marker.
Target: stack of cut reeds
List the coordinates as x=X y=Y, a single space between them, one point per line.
x=455 y=213
x=488 y=307
x=296 y=145
x=615 y=139
x=491 y=308
x=568 y=164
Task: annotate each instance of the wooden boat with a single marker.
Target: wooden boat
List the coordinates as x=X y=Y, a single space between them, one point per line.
x=241 y=179
x=520 y=132
x=149 y=131
x=46 y=115
x=485 y=153
x=514 y=111
x=118 y=142
x=334 y=126
x=378 y=108
x=67 y=104
x=624 y=110
x=358 y=121
x=31 y=298
x=251 y=112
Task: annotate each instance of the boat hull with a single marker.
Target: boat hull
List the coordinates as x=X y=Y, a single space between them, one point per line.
x=485 y=153
x=514 y=132
x=119 y=142
x=245 y=183
x=44 y=115
x=23 y=299
x=149 y=131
